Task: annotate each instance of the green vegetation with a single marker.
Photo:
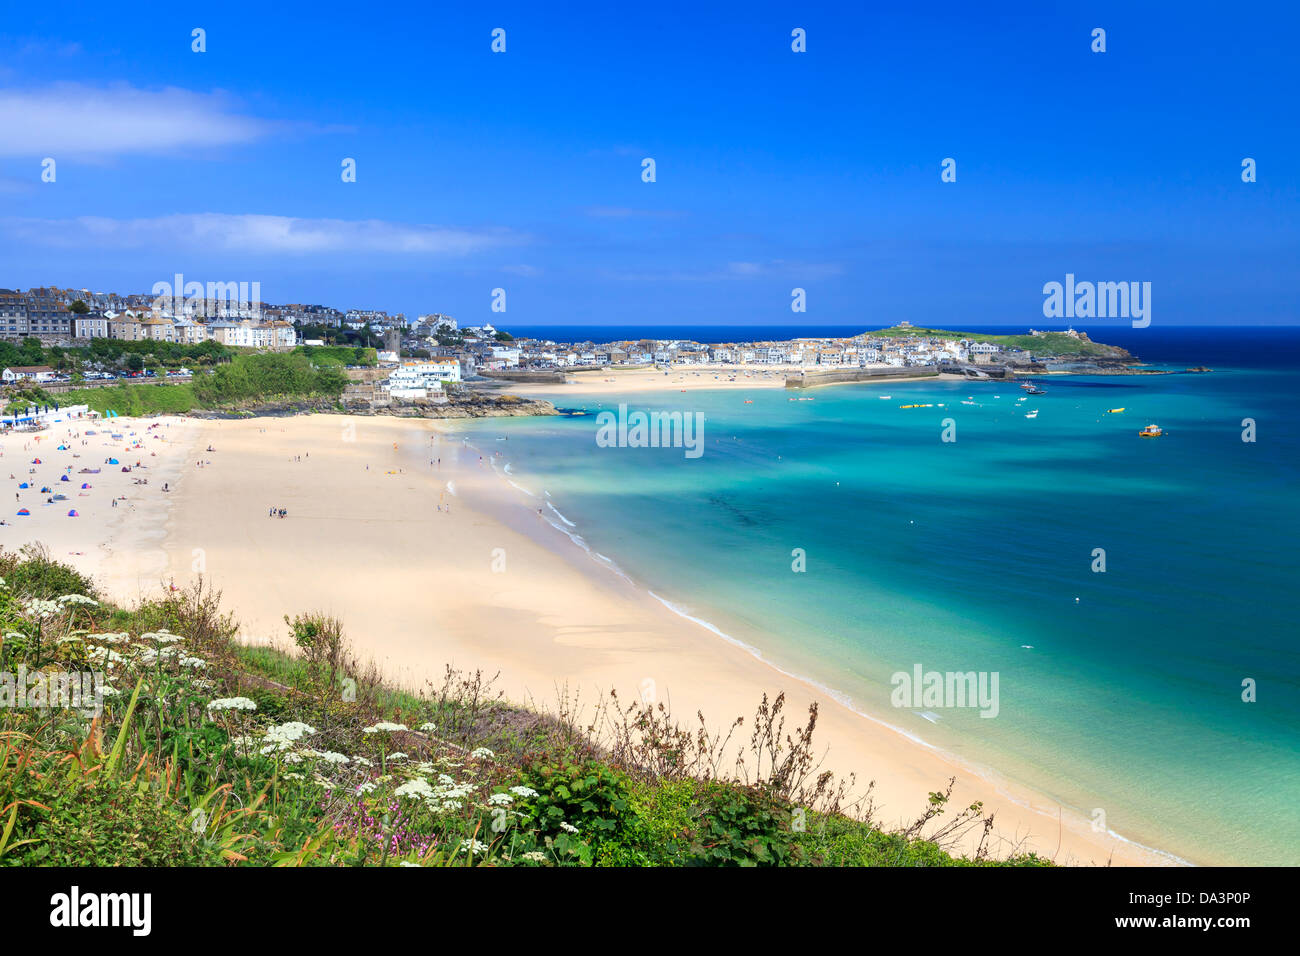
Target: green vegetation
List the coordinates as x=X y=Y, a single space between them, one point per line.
x=338 y=354
x=114 y=355
x=207 y=752
x=268 y=376
x=1049 y=343
x=247 y=378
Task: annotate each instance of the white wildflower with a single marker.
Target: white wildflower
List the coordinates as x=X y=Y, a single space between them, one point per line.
x=522 y=791
x=232 y=703
x=417 y=788
x=568 y=827
x=481 y=753
x=501 y=799
x=384 y=726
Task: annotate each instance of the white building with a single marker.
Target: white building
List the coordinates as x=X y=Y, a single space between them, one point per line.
x=415 y=380
x=28 y=373
x=90 y=327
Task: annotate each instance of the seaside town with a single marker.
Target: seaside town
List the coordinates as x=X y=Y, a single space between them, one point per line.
x=424 y=353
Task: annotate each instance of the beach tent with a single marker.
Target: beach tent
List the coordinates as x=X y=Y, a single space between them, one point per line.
x=46 y=489
x=114 y=461
x=126 y=467
x=36 y=461
x=73 y=513
x=65 y=478
x=23 y=511
x=24 y=485
x=84 y=485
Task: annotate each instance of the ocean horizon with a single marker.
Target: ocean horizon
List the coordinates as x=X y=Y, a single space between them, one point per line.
x=1121 y=690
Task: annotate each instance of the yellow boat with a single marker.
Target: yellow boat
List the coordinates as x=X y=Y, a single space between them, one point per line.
x=1151 y=431
x=1113 y=411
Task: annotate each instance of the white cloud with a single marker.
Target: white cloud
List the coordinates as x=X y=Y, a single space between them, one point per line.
x=76 y=119
x=222 y=232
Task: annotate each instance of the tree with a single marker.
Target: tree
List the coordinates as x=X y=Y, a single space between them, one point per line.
x=134 y=362
x=79 y=307
x=503 y=336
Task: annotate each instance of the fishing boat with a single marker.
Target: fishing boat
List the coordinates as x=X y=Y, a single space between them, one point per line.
x=1033 y=414
x=1034 y=390
x=1151 y=431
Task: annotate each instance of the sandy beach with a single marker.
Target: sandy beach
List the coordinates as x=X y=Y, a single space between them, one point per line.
x=116 y=472
x=398 y=527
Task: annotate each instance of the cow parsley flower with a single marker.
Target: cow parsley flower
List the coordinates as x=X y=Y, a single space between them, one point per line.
x=568 y=827
x=282 y=737
x=481 y=753
x=501 y=800
x=522 y=791
x=384 y=726
x=416 y=788
x=232 y=703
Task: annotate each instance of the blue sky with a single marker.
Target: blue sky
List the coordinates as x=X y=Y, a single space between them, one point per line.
x=775 y=169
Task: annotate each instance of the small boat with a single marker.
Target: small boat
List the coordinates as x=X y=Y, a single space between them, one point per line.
x=1113 y=411
x=1034 y=390
x=748 y=401
x=1033 y=414
x=1151 y=431
x=886 y=398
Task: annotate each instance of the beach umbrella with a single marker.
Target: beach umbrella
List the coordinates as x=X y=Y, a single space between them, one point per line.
x=73 y=513
x=23 y=511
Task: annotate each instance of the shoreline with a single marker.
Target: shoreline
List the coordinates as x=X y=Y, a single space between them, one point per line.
x=1021 y=794
x=559 y=627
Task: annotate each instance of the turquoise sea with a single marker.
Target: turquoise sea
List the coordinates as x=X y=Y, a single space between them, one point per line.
x=1119 y=690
